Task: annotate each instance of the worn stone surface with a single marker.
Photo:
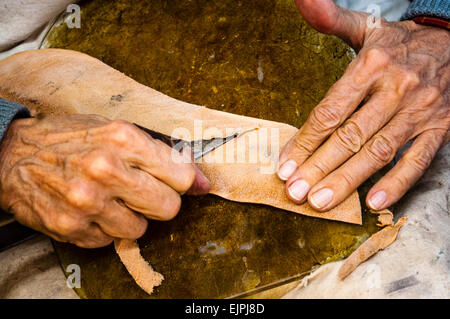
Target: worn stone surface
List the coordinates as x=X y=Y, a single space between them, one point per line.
x=31 y=270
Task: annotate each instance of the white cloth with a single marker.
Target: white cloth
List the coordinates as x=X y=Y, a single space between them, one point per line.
x=24 y=23
x=391 y=10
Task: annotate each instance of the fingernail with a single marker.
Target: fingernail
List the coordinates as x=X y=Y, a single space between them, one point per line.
x=322 y=197
x=377 y=200
x=287 y=169
x=298 y=189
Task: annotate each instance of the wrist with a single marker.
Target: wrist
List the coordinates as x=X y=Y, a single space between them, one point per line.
x=8 y=112
x=11 y=151
x=428 y=12
x=432 y=21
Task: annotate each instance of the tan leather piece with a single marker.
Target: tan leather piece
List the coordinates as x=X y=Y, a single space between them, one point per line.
x=55 y=81
x=370 y=247
x=385 y=217
x=141 y=271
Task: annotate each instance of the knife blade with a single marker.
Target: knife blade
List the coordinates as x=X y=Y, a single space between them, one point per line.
x=199 y=147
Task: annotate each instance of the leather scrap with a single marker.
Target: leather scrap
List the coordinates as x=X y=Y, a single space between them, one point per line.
x=376 y=242
x=141 y=271
x=385 y=217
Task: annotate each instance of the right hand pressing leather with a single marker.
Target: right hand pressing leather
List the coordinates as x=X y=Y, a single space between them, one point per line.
x=86 y=180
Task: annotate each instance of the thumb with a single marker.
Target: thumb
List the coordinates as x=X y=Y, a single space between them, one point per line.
x=327 y=17
x=201 y=184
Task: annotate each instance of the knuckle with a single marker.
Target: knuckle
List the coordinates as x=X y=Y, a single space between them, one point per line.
x=66 y=226
x=431 y=95
x=406 y=80
x=401 y=181
x=348 y=179
x=141 y=228
x=100 y=165
x=122 y=132
x=171 y=207
x=411 y=78
x=187 y=178
x=82 y=195
x=350 y=137
x=380 y=150
x=419 y=160
x=325 y=118
x=369 y=62
x=375 y=57
x=300 y=144
x=321 y=167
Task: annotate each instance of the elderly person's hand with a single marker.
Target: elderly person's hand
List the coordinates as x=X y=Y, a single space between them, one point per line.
x=86 y=180
x=396 y=90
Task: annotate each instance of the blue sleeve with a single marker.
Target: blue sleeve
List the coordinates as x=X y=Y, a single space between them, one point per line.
x=428 y=8
x=8 y=112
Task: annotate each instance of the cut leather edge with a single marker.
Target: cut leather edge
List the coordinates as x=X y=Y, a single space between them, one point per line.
x=385 y=217
x=370 y=247
x=141 y=271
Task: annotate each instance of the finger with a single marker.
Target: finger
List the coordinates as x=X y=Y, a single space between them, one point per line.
x=343 y=143
x=47 y=214
x=71 y=226
x=201 y=185
x=69 y=229
x=341 y=101
x=119 y=221
x=92 y=237
x=329 y=18
x=167 y=165
x=407 y=171
x=147 y=195
x=152 y=156
x=25 y=216
x=138 y=190
x=62 y=227
x=375 y=154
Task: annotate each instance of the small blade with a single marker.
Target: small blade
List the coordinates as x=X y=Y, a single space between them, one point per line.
x=211 y=145
x=199 y=148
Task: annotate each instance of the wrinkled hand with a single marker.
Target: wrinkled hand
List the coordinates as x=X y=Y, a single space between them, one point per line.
x=400 y=79
x=86 y=180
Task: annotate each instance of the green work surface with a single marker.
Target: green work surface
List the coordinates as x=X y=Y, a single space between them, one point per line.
x=255 y=58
